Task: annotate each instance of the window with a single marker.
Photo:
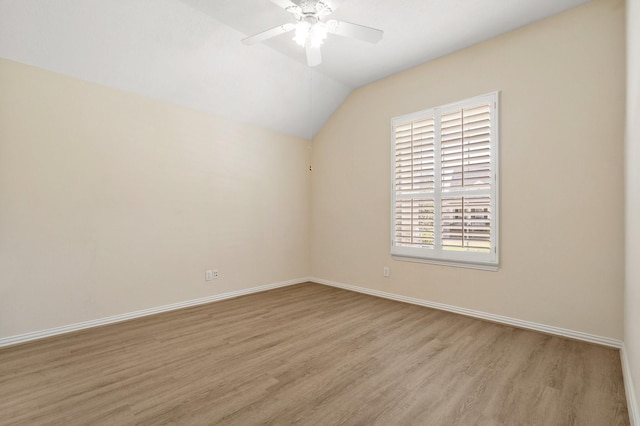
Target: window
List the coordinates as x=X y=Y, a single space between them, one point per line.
x=445 y=184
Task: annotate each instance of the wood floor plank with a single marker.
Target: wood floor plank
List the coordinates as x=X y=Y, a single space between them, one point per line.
x=310 y=355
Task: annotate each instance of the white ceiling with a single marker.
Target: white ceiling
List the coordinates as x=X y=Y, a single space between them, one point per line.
x=188 y=52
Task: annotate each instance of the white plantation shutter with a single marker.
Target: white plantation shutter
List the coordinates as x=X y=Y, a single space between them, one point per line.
x=414 y=159
x=415 y=222
x=466 y=223
x=445 y=183
x=466 y=148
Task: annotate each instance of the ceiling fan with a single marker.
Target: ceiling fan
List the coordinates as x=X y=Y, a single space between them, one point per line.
x=311 y=30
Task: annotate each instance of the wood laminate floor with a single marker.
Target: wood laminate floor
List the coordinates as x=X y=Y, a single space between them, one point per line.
x=311 y=355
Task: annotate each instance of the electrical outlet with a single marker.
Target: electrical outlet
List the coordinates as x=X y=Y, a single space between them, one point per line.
x=208 y=275
x=385 y=271
x=216 y=274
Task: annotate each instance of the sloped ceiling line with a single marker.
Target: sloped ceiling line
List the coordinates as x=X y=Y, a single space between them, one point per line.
x=188 y=52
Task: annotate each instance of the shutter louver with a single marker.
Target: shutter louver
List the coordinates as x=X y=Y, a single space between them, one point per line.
x=414 y=225
x=466 y=149
x=466 y=223
x=414 y=156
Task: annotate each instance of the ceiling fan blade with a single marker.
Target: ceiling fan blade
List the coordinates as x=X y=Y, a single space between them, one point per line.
x=283 y=3
x=290 y=6
x=313 y=55
x=265 y=35
x=347 y=29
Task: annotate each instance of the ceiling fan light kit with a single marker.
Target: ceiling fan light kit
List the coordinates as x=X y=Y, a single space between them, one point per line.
x=311 y=30
x=314 y=34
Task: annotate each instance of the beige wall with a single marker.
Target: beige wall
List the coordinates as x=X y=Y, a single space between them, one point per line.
x=562 y=209
x=632 y=290
x=112 y=202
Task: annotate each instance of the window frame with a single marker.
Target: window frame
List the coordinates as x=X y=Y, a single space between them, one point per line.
x=437 y=254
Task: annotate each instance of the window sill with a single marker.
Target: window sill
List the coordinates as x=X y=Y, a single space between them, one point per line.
x=452 y=263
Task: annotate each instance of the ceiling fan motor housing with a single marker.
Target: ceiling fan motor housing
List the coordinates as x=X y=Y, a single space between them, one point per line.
x=313 y=7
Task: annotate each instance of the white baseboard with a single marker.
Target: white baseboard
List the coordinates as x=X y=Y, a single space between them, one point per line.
x=578 y=335
x=22 y=338
x=632 y=404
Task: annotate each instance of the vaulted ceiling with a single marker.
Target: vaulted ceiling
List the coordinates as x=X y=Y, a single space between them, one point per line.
x=189 y=52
